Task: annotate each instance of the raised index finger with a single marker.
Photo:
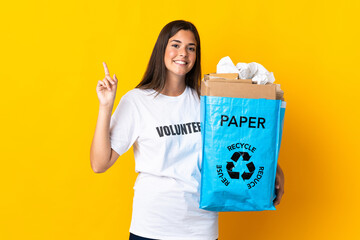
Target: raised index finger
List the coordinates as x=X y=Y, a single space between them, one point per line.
x=106 y=69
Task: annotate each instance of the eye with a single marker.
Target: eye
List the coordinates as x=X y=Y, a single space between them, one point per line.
x=175 y=45
x=192 y=49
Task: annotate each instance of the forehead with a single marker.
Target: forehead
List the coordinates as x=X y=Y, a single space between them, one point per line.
x=184 y=36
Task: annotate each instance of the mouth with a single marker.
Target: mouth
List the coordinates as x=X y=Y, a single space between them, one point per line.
x=180 y=62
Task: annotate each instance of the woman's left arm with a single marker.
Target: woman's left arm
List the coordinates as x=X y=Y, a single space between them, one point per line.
x=279 y=185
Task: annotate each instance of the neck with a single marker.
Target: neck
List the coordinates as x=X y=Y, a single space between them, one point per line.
x=174 y=86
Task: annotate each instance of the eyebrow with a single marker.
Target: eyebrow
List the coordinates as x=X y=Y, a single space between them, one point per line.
x=180 y=42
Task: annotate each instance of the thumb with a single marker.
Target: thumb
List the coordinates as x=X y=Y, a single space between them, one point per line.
x=115 y=78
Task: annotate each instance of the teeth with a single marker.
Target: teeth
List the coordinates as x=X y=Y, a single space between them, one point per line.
x=180 y=62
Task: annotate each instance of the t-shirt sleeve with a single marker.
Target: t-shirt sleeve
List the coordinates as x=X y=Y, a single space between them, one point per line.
x=124 y=125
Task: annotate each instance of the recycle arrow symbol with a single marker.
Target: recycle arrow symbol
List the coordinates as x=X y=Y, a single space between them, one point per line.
x=250 y=166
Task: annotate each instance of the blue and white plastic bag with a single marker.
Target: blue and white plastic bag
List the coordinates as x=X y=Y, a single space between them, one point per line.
x=241 y=141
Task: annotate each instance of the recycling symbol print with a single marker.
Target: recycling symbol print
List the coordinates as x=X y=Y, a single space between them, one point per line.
x=245 y=157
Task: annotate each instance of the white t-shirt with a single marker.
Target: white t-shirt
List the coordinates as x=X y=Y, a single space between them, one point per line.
x=166 y=138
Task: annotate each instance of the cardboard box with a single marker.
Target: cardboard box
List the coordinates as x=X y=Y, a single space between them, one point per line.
x=227 y=85
x=224 y=75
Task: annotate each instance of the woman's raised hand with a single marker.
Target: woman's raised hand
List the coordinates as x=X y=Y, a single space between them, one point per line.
x=106 y=88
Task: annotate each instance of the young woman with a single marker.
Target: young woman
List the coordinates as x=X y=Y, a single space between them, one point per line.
x=160 y=118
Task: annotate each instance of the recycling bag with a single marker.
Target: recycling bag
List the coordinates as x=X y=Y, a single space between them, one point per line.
x=240 y=147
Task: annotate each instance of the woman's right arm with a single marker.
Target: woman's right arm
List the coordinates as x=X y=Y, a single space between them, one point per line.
x=102 y=156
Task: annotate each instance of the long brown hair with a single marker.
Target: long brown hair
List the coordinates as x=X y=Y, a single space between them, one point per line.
x=155 y=74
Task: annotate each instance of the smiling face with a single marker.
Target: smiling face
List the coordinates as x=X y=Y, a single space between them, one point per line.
x=180 y=54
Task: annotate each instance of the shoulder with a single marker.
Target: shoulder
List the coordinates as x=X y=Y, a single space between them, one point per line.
x=130 y=102
x=193 y=91
x=194 y=95
x=136 y=94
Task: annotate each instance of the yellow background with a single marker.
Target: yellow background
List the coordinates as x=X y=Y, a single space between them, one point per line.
x=51 y=55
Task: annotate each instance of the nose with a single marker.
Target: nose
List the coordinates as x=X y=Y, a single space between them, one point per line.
x=183 y=52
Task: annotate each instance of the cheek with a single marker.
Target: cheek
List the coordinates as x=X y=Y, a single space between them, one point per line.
x=172 y=54
x=193 y=58
x=169 y=54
